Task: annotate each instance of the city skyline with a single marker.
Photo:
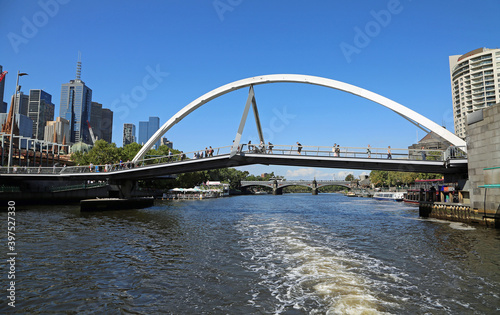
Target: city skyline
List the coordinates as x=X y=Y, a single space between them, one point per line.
x=398 y=49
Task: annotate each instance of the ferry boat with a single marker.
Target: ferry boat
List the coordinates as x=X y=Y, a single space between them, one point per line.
x=389 y=195
x=428 y=187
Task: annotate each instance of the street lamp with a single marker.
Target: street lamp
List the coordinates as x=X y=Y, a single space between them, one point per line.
x=19 y=74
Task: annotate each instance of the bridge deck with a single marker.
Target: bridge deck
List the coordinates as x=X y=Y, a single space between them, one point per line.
x=240 y=159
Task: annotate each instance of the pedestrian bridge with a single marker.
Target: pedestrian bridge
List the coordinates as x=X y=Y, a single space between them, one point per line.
x=403 y=160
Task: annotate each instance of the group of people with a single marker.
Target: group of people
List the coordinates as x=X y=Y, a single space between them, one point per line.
x=209 y=152
x=261 y=148
x=108 y=167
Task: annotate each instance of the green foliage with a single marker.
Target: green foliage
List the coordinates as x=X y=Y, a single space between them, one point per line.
x=101 y=153
x=349 y=178
x=389 y=178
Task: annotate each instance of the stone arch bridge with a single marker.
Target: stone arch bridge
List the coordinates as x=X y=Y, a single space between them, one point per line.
x=278 y=185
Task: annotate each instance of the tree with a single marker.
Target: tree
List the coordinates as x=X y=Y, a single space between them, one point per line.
x=101 y=153
x=349 y=178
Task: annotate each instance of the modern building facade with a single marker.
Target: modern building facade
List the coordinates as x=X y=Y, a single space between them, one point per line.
x=96 y=119
x=147 y=129
x=475 y=83
x=57 y=131
x=40 y=110
x=76 y=99
x=107 y=125
x=128 y=134
x=168 y=143
x=23 y=124
x=3 y=105
x=22 y=103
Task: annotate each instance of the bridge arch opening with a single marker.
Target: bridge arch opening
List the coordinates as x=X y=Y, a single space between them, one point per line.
x=405 y=112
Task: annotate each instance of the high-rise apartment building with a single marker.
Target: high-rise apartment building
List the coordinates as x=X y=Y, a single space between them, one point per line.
x=107 y=125
x=40 y=110
x=128 y=134
x=475 y=83
x=147 y=129
x=76 y=99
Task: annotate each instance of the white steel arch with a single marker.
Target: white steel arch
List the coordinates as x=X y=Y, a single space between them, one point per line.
x=298 y=78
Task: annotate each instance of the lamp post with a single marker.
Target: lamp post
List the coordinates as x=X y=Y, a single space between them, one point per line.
x=19 y=74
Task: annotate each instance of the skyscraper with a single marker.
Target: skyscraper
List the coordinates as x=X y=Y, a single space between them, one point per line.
x=147 y=129
x=475 y=78
x=107 y=125
x=40 y=110
x=3 y=105
x=128 y=134
x=96 y=119
x=22 y=103
x=76 y=99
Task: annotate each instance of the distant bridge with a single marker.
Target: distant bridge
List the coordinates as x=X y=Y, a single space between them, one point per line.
x=278 y=185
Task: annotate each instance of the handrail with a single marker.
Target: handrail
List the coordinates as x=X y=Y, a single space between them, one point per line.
x=319 y=151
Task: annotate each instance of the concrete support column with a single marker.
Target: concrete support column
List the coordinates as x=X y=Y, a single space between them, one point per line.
x=314 y=187
x=122 y=189
x=277 y=191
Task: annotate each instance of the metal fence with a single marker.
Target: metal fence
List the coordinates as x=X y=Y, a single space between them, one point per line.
x=319 y=151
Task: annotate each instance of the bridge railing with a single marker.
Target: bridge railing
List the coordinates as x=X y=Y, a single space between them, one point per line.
x=357 y=152
x=321 y=151
x=113 y=167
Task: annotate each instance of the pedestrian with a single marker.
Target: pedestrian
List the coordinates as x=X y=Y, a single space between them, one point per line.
x=389 y=155
x=369 y=151
x=424 y=155
x=299 y=147
x=270 y=146
x=211 y=151
x=334 y=149
x=337 y=150
x=452 y=151
x=250 y=146
x=262 y=147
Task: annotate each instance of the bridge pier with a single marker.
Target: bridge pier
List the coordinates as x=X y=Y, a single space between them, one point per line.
x=122 y=188
x=277 y=191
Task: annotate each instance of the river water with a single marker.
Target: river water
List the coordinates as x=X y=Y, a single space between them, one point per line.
x=289 y=254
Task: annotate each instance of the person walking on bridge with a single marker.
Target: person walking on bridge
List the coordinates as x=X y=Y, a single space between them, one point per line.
x=299 y=147
x=389 y=155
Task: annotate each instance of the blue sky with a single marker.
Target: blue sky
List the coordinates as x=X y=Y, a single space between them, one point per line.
x=196 y=46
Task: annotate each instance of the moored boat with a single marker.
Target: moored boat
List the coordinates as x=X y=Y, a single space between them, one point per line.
x=389 y=195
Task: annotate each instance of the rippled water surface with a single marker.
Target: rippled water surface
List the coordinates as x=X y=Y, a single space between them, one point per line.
x=290 y=254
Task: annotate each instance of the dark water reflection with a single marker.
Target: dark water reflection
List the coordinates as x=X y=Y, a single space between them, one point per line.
x=290 y=254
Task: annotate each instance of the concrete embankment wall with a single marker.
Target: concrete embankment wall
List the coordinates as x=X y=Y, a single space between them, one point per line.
x=483 y=151
x=458 y=212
